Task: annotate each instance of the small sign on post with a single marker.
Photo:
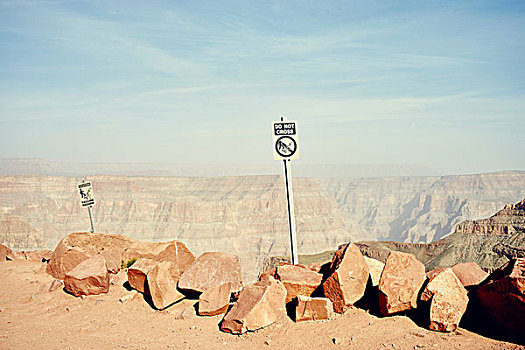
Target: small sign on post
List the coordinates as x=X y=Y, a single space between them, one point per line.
x=285 y=148
x=87 y=200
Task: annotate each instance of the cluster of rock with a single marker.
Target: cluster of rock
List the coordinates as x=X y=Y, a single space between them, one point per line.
x=166 y=273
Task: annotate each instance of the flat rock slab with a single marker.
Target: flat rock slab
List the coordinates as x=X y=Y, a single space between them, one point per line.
x=448 y=300
x=502 y=297
x=298 y=280
x=137 y=274
x=162 y=288
x=400 y=283
x=313 y=309
x=211 y=270
x=347 y=279
x=90 y=277
x=215 y=301
x=259 y=305
x=469 y=273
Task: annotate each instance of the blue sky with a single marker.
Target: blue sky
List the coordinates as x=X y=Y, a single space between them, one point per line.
x=436 y=83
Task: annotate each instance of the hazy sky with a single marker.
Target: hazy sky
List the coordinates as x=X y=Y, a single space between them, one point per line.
x=436 y=83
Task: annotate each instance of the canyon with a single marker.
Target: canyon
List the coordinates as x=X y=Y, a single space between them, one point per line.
x=246 y=215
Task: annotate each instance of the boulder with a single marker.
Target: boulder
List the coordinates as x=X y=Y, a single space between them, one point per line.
x=137 y=274
x=313 y=309
x=211 y=270
x=90 y=277
x=38 y=255
x=79 y=246
x=400 y=282
x=469 y=273
x=347 y=278
x=298 y=280
x=259 y=305
x=448 y=300
x=502 y=297
x=215 y=301
x=319 y=267
x=5 y=253
x=162 y=288
x=375 y=267
x=268 y=274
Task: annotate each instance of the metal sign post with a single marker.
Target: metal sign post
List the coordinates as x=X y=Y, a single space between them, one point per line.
x=87 y=200
x=285 y=148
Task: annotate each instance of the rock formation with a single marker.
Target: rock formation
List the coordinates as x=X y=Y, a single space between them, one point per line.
x=138 y=272
x=212 y=269
x=90 y=277
x=502 y=297
x=297 y=280
x=161 y=286
x=448 y=300
x=347 y=278
x=313 y=309
x=400 y=283
x=375 y=267
x=259 y=305
x=215 y=301
x=5 y=253
x=469 y=273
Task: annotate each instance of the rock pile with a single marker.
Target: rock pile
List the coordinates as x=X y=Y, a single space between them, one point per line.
x=165 y=274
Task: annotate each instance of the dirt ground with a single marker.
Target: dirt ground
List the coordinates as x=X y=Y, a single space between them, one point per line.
x=32 y=316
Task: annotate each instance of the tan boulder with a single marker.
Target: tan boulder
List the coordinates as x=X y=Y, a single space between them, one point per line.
x=259 y=305
x=448 y=300
x=161 y=287
x=5 y=253
x=137 y=274
x=375 y=267
x=211 y=270
x=215 y=301
x=319 y=267
x=469 y=273
x=298 y=280
x=313 y=309
x=399 y=285
x=268 y=274
x=347 y=279
x=90 y=277
x=502 y=297
x=38 y=255
x=180 y=257
x=79 y=246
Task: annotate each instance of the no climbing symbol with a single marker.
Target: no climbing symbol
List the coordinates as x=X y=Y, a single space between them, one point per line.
x=285 y=146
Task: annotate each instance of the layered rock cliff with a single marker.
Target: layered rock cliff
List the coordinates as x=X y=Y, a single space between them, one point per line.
x=421 y=209
x=241 y=215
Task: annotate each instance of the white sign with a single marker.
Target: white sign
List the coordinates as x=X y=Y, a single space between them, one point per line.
x=285 y=144
x=86 y=194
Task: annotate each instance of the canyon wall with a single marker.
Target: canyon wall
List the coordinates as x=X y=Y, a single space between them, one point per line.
x=246 y=215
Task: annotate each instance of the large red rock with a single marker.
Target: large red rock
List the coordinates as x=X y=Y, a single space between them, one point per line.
x=161 y=287
x=347 y=279
x=76 y=247
x=259 y=305
x=5 y=253
x=399 y=285
x=298 y=280
x=502 y=297
x=211 y=270
x=215 y=301
x=137 y=274
x=313 y=309
x=469 y=273
x=90 y=277
x=448 y=300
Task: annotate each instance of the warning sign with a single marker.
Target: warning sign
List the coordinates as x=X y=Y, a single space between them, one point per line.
x=285 y=140
x=86 y=194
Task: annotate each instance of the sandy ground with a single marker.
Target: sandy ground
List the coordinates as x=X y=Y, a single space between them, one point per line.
x=32 y=316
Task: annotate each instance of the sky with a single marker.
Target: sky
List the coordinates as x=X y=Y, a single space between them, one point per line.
x=435 y=83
